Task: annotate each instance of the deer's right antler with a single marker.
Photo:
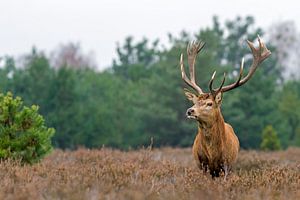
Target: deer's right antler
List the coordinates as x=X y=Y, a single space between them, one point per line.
x=192 y=51
x=259 y=55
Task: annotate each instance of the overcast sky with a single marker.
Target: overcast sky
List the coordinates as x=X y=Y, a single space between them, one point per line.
x=99 y=24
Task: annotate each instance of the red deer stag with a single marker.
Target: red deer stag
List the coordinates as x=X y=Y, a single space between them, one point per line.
x=216 y=146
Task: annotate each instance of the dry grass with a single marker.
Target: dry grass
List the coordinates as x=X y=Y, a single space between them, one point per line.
x=158 y=174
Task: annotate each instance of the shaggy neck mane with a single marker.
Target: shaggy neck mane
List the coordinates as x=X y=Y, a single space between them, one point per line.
x=213 y=131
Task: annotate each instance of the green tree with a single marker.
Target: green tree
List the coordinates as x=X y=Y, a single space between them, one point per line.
x=23 y=132
x=135 y=59
x=270 y=141
x=63 y=109
x=289 y=108
x=103 y=114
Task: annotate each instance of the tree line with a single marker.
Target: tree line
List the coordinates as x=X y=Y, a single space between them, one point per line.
x=141 y=95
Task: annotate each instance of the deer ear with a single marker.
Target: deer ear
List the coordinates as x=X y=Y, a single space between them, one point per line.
x=218 y=98
x=190 y=96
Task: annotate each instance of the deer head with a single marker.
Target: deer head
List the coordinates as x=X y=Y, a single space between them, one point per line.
x=207 y=105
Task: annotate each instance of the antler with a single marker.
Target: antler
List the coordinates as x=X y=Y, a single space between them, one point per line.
x=259 y=55
x=192 y=51
x=212 y=91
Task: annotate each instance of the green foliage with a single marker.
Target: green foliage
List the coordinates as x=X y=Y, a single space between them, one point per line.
x=134 y=60
x=270 y=141
x=23 y=134
x=289 y=109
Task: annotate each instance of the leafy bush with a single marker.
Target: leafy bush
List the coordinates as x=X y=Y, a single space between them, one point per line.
x=270 y=140
x=23 y=134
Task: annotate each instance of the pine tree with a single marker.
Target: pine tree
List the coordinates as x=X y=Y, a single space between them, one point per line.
x=270 y=140
x=23 y=134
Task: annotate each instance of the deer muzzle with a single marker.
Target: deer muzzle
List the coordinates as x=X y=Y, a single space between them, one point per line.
x=190 y=113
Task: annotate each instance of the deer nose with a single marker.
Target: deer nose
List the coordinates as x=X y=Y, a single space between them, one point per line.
x=190 y=111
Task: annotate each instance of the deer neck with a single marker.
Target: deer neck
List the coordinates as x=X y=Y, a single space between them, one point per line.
x=214 y=130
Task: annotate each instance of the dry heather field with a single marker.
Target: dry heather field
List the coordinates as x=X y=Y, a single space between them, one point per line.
x=150 y=174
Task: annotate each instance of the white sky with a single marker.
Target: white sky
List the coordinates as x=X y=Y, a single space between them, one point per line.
x=99 y=24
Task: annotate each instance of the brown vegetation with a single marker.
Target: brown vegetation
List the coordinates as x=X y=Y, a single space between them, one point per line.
x=157 y=174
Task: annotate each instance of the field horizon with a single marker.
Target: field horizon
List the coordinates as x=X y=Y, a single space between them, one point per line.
x=159 y=173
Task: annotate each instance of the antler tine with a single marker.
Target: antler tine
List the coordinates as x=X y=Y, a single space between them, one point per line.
x=223 y=81
x=241 y=73
x=185 y=78
x=212 y=91
x=259 y=55
x=211 y=82
x=193 y=49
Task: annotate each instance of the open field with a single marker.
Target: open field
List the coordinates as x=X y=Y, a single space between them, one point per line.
x=150 y=174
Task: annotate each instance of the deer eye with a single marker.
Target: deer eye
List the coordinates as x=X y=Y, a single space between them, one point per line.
x=209 y=104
